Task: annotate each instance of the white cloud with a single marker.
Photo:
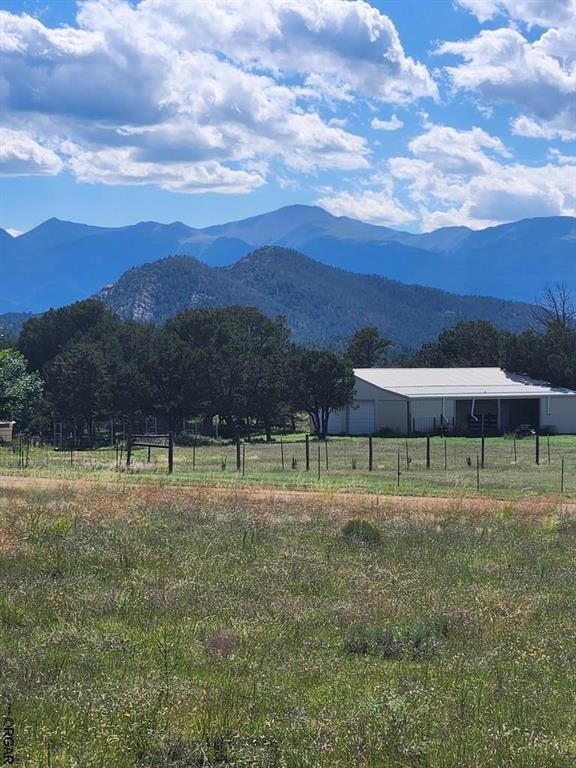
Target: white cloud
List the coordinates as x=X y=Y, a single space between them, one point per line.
x=22 y=155
x=552 y=129
x=394 y=124
x=538 y=77
x=375 y=207
x=542 y=13
x=456 y=151
x=493 y=190
x=119 y=166
x=179 y=89
x=459 y=178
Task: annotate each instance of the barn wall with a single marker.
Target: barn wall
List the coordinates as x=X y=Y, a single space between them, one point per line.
x=426 y=413
x=562 y=418
x=391 y=414
x=365 y=391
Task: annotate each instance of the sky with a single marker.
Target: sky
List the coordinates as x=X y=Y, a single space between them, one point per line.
x=413 y=114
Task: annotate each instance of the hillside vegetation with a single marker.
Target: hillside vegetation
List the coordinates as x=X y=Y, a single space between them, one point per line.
x=320 y=303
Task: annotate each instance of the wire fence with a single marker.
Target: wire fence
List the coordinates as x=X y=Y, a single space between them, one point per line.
x=532 y=466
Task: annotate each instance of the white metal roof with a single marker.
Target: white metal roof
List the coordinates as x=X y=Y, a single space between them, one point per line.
x=458 y=382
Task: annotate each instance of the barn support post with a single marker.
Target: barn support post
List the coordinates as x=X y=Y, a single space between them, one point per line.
x=170 y=453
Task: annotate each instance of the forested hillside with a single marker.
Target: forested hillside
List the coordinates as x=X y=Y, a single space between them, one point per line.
x=320 y=303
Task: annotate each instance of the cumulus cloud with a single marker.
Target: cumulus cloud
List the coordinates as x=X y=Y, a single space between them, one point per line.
x=394 y=124
x=488 y=190
x=374 y=206
x=22 y=155
x=457 y=151
x=459 y=178
x=537 y=76
x=173 y=91
x=542 y=13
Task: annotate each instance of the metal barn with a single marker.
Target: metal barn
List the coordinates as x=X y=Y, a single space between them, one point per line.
x=411 y=401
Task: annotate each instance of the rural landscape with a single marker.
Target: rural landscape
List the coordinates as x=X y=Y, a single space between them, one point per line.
x=287 y=384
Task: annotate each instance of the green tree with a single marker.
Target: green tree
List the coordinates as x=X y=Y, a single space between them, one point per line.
x=78 y=383
x=367 y=348
x=45 y=336
x=174 y=378
x=321 y=382
x=472 y=343
x=20 y=391
x=240 y=363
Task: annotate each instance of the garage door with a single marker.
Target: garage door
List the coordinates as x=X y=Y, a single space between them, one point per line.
x=361 y=418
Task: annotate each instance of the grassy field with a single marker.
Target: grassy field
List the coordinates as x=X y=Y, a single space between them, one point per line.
x=149 y=627
x=341 y=464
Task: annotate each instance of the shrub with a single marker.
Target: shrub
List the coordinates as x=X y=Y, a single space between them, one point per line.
x=418 y=640
x=361 y=532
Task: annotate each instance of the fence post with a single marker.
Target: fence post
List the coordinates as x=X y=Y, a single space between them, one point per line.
x=562 y=477
x=548 y=445
x=307 y=453
x=477 y=472
x=282 y=453
x=243 y=459
x=537 y=448
x=170 y=453
x=193 y=457
x=445 y=454
x=515 y=452
x=238 y=458
x=482 y=452
x=427 y=451
x=318 y=461
x=370 y=454
x=129 y=448
x=326 y=451
x=398 y=473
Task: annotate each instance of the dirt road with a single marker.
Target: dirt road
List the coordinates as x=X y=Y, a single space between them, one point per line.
x=275 y=499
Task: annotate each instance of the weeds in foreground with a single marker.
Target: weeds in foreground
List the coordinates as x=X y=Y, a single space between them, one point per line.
x=196 y=630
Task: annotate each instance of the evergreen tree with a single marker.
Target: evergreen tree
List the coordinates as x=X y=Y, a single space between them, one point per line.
x=321 y=383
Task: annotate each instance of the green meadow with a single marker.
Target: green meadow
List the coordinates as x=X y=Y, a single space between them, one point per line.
x=340 y=464
x=145 y=626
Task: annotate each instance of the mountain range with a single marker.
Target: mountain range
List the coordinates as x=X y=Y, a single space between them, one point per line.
x=321 y=304
x=59 y=262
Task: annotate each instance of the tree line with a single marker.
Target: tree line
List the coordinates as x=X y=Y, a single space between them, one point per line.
x=84 y=363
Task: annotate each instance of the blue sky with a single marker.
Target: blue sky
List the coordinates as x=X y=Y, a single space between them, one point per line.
x=414 y=114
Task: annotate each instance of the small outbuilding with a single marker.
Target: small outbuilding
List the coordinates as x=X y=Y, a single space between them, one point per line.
x=6 y=428
x=411 y=401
